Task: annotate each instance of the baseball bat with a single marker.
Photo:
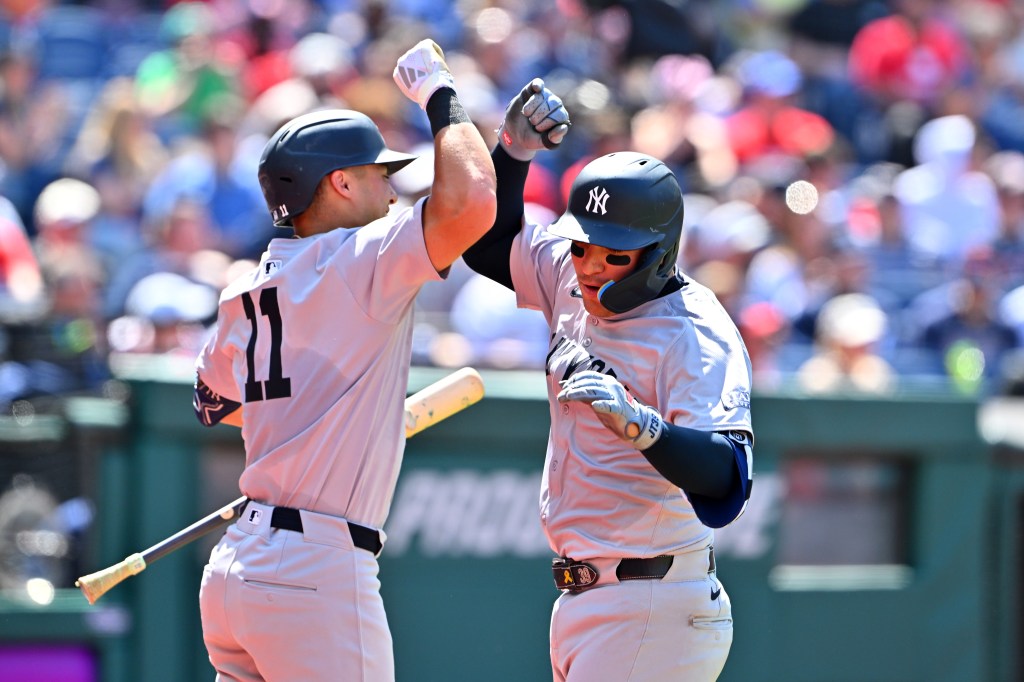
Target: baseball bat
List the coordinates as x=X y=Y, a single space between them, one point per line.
x=440 y=400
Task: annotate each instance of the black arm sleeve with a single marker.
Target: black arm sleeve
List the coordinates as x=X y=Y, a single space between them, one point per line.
x=490 y=255
x=699 y=462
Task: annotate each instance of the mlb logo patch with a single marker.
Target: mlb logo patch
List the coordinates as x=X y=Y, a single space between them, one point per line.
x=254 y=516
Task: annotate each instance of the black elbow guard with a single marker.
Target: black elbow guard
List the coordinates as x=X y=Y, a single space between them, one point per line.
x=210 y=408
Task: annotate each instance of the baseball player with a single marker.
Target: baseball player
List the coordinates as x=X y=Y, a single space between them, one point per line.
x=649 y=387
x=310 y=356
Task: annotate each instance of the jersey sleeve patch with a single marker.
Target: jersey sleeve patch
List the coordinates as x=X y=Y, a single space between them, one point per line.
x=210 y=408
x=736 y=398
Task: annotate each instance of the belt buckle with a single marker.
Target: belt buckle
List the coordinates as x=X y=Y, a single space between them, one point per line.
x=573 y=576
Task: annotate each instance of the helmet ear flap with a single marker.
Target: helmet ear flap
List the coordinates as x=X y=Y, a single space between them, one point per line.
x=643 y=284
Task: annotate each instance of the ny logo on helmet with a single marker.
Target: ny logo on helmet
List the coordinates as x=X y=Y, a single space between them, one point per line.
x=596 y=201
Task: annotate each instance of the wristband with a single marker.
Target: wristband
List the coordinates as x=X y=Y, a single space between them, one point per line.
x=444 y=109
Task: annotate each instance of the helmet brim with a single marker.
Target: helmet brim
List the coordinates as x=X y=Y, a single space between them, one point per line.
x=608 y=235
x=395 y=161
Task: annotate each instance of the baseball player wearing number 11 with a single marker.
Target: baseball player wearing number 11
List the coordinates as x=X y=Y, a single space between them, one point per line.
x=649 y=388
x=310 y=356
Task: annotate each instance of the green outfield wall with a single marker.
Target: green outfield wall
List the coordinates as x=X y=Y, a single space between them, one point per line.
x=882 y=541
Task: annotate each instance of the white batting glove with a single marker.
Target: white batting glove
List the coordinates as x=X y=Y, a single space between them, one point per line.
x=615 y=407
x=421 y=71
x=534 y=119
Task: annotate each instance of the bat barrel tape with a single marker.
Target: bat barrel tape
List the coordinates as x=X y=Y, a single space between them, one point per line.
x=95 y=585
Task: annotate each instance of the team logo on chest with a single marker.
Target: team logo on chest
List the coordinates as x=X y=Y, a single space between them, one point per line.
x=596 y=202
x=567 y=356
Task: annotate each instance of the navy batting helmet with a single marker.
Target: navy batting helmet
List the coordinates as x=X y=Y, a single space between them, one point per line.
x=309 y=147
x=623 y=201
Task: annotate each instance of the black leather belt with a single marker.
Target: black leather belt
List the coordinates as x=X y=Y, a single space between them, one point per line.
x=287 y=518
x=641 y=569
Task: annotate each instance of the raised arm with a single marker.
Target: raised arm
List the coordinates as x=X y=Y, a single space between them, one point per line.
x=461 y=205
x=534 y=119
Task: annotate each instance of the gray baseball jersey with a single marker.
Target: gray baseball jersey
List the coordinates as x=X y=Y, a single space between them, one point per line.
x=316 y=345
x=680 y=354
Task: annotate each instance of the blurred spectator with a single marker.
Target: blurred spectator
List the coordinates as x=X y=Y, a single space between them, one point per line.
x=326 y=62
x=765 y=331
x=1006 y=168
x=907 y=62
x=900 y=113
x=1011 y=312
x=165 y=312
x=732 y=231
x=697 y=206
x=947 y=207
x=498 y=333
x=63 y=216
x=912 y=54
x=845 y=357
x=118 y=152
x=320 y=67
x=34 y=117
x=171 y=242
x=262 y=42
x=725 y=280
x=769 y=121
x=21 y=281
x=794 y=271
x=821 y=33
x=213 y=175
x=496 y=33
x=540 y=195
x=963 y=332
x=182 y=85
x=64 y=351
x=675 y=128
x=658 y=27
x=896 y=272
x=604 y=126
x=994 y=31
x=841 y=270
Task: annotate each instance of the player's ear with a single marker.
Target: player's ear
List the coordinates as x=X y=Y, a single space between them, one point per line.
x=340 y=181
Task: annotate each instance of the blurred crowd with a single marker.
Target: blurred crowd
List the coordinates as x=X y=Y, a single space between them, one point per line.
x=853 y=169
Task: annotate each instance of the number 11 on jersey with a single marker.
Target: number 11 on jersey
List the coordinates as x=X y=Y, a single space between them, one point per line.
x=276 y=385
